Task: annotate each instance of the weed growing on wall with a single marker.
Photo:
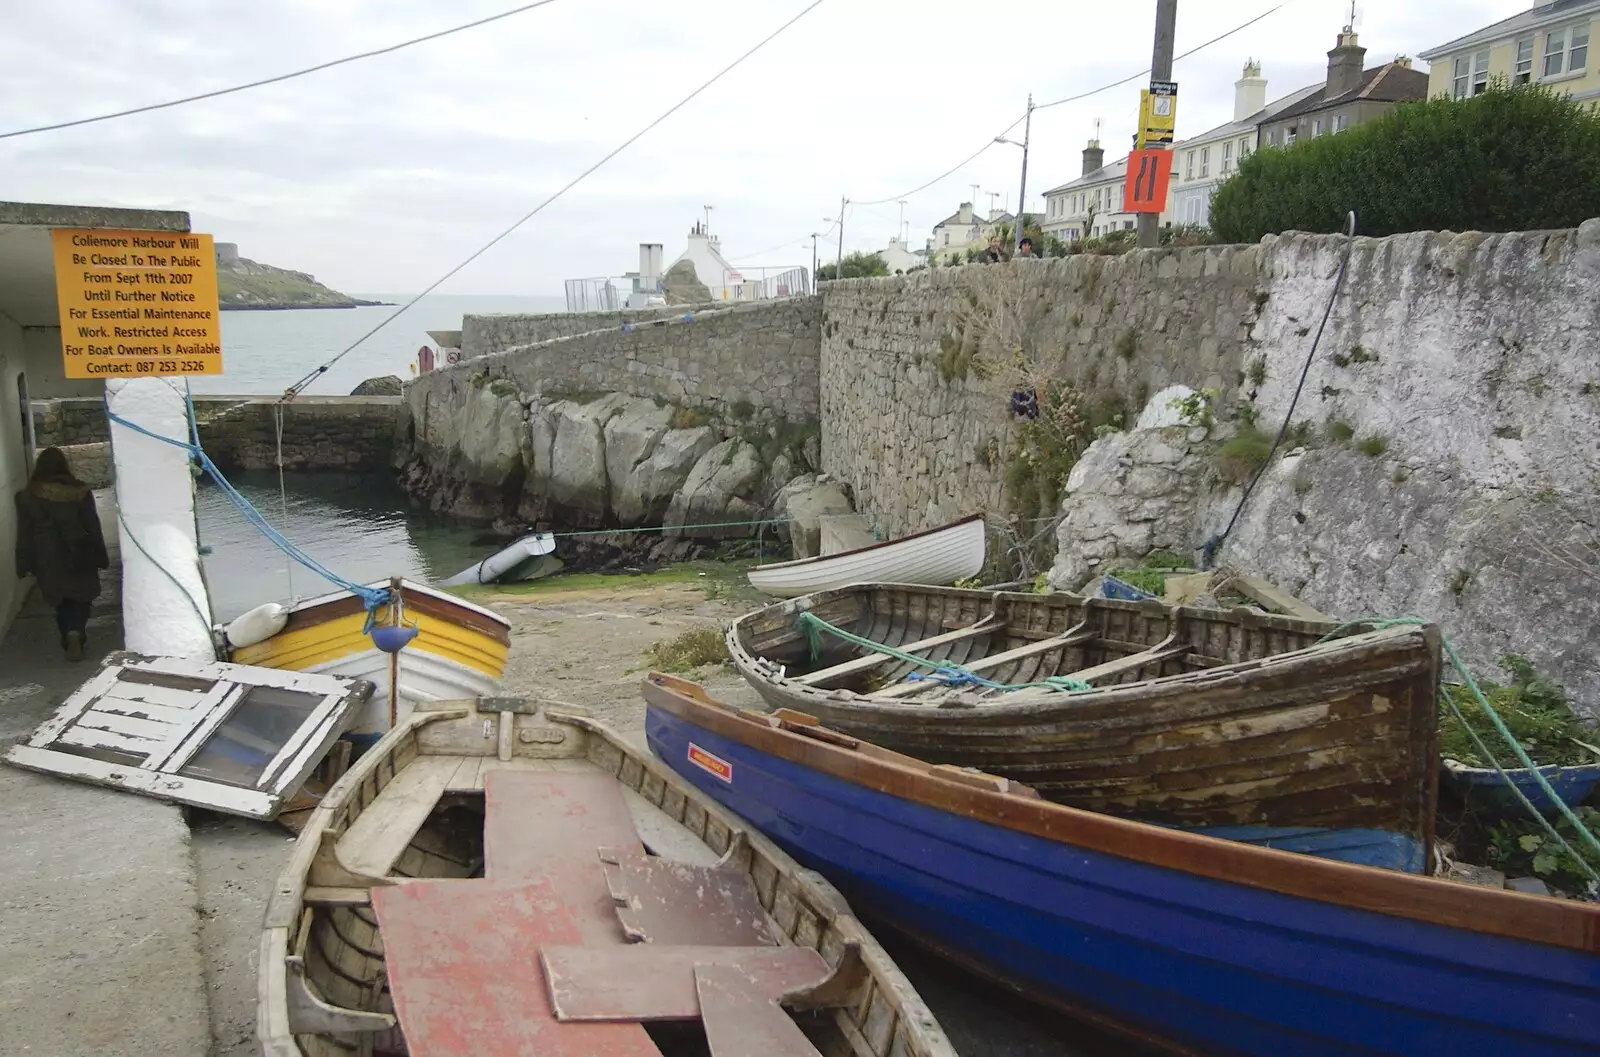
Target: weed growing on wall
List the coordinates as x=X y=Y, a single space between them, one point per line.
x=1044 y=451
x=1239 y=457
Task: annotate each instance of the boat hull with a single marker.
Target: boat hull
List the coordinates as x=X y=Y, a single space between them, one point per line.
x=1194 y=963
x=939 y=556
x=459 y=652
x=1256 y=722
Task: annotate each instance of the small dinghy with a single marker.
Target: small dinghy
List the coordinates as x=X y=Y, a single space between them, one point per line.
x=505 y=563
x=938 y=556
x=494 y=879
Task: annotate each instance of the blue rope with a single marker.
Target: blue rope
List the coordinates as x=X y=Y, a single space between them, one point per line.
x=372 y=598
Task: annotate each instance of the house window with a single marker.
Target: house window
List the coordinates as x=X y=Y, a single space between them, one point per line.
x=1188 y=166
x=1227 y=156
x=1127 y=225
x=1480 y=72
x=947 y=238
x=1316 y=128
x=1272 y=138
x=1341 y=122
x=1566 y=50
x=1205 y=162
x=1244 y=148
x=1290 y=133
x=1463 y=74
x=1522 y=72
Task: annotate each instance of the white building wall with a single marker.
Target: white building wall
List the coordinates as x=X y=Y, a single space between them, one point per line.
x=13 y=468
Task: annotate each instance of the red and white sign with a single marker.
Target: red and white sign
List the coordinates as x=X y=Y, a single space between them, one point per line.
x=1149 y=174
x=710 y=763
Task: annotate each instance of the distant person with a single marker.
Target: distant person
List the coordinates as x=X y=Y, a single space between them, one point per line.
x=1026 y=248
x=992 y=255
x=60 y=544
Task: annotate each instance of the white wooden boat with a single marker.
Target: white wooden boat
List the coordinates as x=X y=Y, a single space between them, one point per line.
x=494 y=877
x=227 y=737
x=937 y=556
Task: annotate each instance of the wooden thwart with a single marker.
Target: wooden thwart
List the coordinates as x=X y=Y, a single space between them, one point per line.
x=1072 y=637
x=378 y=836
x=871 y=660
x=648 y=981
x=1162 y=651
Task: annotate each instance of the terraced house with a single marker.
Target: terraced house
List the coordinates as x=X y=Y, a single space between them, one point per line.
x=1547 y=44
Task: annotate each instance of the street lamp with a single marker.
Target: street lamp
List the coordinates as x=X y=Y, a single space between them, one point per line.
x=1022 y=194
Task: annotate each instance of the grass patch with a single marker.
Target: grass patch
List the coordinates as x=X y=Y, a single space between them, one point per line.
x=503 y=387
x=1373 y=446
x=1126 y=343
x=742 y=410
x=1535 y=710
x=1257 y=372
x=1237 y=460
x=1341 y=432
x=689 y=651
x=724 y=577
x=689 y=418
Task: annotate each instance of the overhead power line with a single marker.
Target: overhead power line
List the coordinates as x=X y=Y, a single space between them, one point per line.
x=530 y=214
x=1073 y=99
x=280 y=77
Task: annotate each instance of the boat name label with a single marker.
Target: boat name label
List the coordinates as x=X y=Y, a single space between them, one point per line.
x=710 y=762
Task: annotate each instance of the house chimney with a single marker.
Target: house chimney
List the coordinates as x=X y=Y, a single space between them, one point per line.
x=1403 y=61
x=964 y=214
x=1094 y=159
x=1344 y=64
x=1249 y=91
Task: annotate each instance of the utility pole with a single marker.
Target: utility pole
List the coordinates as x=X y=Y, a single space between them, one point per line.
x=1022 y=191
x=838 y=267
x=902 y=226
x=814 y=237
x=992 y=196
x=708 y=220
x=1160 y=70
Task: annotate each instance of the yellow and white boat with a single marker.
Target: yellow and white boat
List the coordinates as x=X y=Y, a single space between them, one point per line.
x=459 y=650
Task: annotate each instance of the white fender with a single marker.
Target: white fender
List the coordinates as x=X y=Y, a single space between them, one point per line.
x=258 y=625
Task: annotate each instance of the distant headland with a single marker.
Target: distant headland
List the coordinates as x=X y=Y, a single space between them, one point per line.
x=246 y=284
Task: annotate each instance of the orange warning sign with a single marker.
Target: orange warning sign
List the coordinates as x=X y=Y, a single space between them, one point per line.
x=1149 y=173
x=710 y=762
x=137 y=303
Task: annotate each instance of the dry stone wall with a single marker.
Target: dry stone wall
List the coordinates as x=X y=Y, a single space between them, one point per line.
x=921 y=438
x=481 y=335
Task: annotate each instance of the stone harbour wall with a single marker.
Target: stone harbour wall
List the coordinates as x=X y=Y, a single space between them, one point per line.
x=909 y=423
x=333 y=433
x=482 y=335
x=756 y=361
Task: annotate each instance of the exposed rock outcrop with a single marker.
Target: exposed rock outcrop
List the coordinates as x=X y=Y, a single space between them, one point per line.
x=681 y=285
x=388 y=385
x=804 y=502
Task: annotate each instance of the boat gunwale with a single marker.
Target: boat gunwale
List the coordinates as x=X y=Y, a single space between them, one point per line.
x=818 y=558
x=286 y=905
x=323 y=609
x=1421 y=899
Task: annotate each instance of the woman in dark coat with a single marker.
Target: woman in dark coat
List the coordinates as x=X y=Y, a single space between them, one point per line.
x=59 y=542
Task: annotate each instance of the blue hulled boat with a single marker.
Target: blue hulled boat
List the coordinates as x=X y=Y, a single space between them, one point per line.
x=1198 y=944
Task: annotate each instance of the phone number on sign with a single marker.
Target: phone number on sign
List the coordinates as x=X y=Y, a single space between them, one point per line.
x=168 y=366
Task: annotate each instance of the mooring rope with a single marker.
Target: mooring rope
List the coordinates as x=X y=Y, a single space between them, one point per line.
x=949 y=674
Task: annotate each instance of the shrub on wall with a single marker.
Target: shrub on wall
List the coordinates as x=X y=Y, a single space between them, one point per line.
x=1520 y=158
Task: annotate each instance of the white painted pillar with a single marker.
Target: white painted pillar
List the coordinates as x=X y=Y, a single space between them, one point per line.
x=162 y=588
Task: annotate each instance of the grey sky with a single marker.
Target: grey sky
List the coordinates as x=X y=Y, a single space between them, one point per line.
x=380 y=175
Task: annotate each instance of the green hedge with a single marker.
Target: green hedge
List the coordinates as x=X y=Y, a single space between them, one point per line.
x=1521 y=158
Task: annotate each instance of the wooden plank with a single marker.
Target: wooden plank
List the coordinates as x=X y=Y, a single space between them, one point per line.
x=137 y=726
x=93 y=738
x=134 y=779
x=861 y=664
x=149 y=693
x=1271 y=595
x=645 y=981
x=676 y=904
x=337 y=897
x=78 y=702
x=1132 y=662
x=145 y=710
x=550 y=825
x=665 y=835
x=381 y=832
x=1070 y=638
x=741 y=1021
x=463 y=978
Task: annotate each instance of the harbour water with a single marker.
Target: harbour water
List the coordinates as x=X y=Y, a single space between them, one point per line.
x=263 y=352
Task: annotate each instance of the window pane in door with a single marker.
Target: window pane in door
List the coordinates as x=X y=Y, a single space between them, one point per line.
x=238 y=751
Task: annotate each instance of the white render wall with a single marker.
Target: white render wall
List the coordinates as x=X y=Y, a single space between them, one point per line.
x=161 y=582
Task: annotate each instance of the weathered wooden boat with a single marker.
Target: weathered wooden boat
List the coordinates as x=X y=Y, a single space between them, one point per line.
x=470 y=885
x=459 y=650
x=938 y=556
x=1199 y=945
x=1193 y=717
x=222 y=736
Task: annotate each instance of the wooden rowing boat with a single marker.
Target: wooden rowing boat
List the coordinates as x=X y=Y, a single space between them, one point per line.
x=459 y=652
x=470 y=885
x=938 y=556
x=1196 y=717
x=1199 y=945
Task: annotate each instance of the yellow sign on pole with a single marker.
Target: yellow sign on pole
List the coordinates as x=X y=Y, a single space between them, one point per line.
x=137 y=304
x=1158 y=113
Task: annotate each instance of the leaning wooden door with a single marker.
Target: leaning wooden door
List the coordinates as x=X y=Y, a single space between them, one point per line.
x=229 y=737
